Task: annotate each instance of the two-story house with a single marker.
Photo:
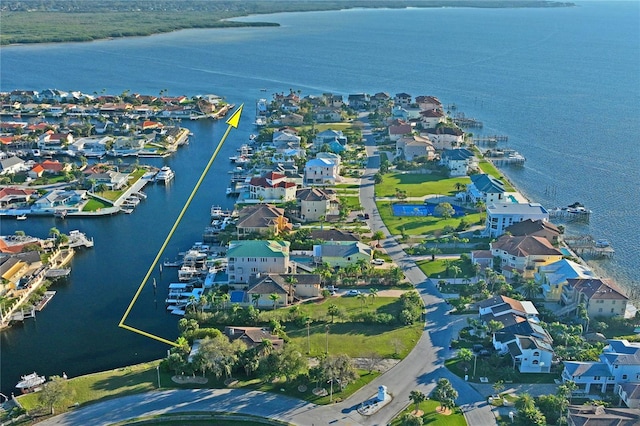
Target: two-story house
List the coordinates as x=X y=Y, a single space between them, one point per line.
x=321 y=171
x=601 y=297
x=272 y=187
x=334 y=139
x=316 y=203
x=247 y=258
x=553 y=277
x=502 y=215
x=619 y=363
x=445 y=137
x=536 y=228
x=411 y=147
x=431 y=118
x=262 y=219
x=459 y=161
x=523 y=254
x=485 y=188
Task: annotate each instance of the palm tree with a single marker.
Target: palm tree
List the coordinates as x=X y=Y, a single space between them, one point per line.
x=583 y=314
x=224 y=298
x=373 y=293
x=530 y=289
x=433 y=251
x=255 y=298
x=363 y=299
x=333 y=310
x=291 y=281
x=378 y=235
x=417 y=397
x=459 y=186
x=308 y=320
x=274 y=297
x=455 y=269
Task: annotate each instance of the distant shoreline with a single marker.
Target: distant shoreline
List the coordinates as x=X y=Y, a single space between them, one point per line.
x=116 y=19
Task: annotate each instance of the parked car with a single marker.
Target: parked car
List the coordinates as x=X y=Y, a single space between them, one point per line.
x=352 y=293
x=377 y=262
x=366 y=215
x=477 y=348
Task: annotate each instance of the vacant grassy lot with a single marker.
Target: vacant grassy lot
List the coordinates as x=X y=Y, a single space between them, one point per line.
x=431 y=417
x=497 y=368
x=438 y=269
x=94 y=205
x=418 y=185
x=418 y=225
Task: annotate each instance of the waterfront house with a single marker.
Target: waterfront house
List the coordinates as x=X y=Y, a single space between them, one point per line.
x=523 y=254
x=315 y=203
x=292 y=119
x=402 y=99
x=321 y=171
x=15 y=196
x=430 y=119
x=12 y=269
x=358 y=100
x=396 y=131
x=110 y=178
x=341 y=254
x=485 y=188
x=332 y=100
x=601 y=297
x=599 y=415
x=57 y=199
x=618 y=363
x=272 y=187
x=14 y=244
x=53 y=142
x=445 y=137
x=536 y=228
x=428 y=103
x=380 y=100
x=553 y=277
x=11 y=165
x=459 y=161
x=250 y=257
x=414 y=146
x=262 y=219
x=263 y=285
x=502 y=215
x=23 y=96
x=252 y=336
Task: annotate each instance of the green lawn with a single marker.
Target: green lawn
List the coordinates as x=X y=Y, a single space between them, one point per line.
x=497 y=368
x=95 y=205
x=418 y=225
x=418 y=185
x=431 y=417
x=437 y=269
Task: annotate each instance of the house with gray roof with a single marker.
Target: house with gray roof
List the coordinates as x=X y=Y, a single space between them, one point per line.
x=619 y=363
x=316 y=203
x=458 y=161
x=262 y=219
x=536 y=228
x=338 y=254
x=554 y=276
x=598 y=415
x=11 y=165
x=601 y=297
x=485 y=188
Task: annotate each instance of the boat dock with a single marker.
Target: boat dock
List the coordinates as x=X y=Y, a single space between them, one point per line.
x=48 y=295
x=461 y=120
x=503 y=157
x=490 y=140
x=78 y=239
x=587 y=246
x=575 y=211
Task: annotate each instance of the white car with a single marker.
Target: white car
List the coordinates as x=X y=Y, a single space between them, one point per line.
x=377 y=262
x=352 y=293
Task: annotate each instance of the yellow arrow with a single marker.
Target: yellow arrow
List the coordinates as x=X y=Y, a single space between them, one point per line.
x=232 y=122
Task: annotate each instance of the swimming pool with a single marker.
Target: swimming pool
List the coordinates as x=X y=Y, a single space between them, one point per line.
x=421 y=210
x=565 y=251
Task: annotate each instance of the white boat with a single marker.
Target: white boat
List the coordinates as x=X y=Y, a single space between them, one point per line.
x=602 y=243
x=165 y=175
x=127 y=210
x=21 y=217
x=30 y=382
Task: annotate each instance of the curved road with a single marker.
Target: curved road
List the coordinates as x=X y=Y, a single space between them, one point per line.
x=419 y=370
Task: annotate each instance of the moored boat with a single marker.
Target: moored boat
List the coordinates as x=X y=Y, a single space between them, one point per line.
x=165 y=175
x=30 y=382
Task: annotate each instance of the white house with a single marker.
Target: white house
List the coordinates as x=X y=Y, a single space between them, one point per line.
x=431 y=118
x=445 y=137
x=316 y=203
x=485 y=188
x=428 y=102
x=502 y=215
x=458 y=161
x=321 y=171
x=11 y=165
x=402 y=99
x=523 y=254
x=396 y=131
x=272 y=187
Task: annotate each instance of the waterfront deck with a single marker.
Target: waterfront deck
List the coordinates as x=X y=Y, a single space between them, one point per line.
x=587 y=246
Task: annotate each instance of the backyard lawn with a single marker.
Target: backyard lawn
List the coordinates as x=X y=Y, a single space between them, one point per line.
x=488 y=168
x=418 y=225
x=419 y=185
x=438 y=269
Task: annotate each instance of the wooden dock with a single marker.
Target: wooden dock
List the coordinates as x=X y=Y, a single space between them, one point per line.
x=586 y=246
x=461 y=120
x=490 y=140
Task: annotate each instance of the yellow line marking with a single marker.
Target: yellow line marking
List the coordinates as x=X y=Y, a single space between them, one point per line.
x=232 y=122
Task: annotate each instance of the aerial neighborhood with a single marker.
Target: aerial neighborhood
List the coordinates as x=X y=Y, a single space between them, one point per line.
x=317 y=247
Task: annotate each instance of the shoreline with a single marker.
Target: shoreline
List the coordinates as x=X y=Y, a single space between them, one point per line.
x=103 y=28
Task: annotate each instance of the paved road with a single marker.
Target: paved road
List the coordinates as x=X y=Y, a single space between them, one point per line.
x=419 y=370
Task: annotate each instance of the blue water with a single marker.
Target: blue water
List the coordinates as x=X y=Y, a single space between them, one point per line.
x=562 y=83
x=421 y=210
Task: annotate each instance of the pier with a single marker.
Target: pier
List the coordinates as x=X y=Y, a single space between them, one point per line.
x=78 y=239
x=467 y=122
x=587 y=246
x=505 y=157
x=490 y=140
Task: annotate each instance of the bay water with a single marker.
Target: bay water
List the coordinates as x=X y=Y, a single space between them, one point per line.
x=562 y=83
